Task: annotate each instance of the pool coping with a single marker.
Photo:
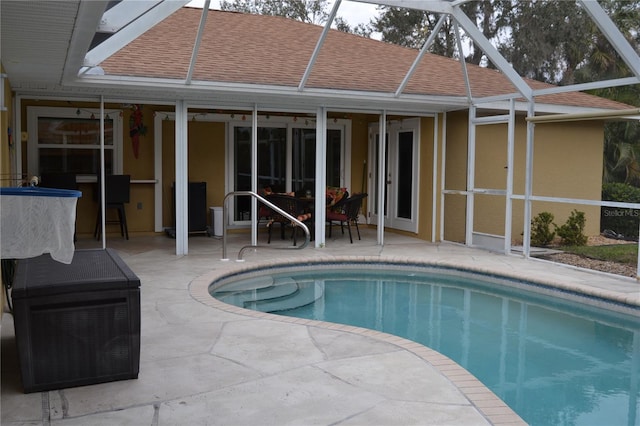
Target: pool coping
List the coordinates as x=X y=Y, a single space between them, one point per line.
x=494 y=409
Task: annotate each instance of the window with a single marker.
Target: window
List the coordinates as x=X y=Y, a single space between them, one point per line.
x=68 y=140
x=286 y=159
x=272 y=143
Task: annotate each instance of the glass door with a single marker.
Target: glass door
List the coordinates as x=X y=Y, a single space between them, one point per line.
x=271 y=164
x=400 y=174
x=286 y=161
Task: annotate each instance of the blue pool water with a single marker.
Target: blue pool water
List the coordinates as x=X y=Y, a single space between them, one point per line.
x=552 y=361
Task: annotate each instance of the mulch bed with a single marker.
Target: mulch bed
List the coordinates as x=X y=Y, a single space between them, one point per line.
x=594 y=264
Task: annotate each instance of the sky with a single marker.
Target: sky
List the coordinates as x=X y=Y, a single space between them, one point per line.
x=353 y=12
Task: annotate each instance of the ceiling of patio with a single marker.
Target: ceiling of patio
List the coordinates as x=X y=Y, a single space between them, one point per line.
x=46 y=47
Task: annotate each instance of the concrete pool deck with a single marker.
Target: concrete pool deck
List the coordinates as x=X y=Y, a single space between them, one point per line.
x=205 y=363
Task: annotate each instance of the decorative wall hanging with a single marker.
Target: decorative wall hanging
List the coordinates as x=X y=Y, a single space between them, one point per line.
x=136 y=128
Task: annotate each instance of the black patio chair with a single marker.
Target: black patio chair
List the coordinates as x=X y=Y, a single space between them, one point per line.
x=117 y=192
x=296 y=207
x=347 y=212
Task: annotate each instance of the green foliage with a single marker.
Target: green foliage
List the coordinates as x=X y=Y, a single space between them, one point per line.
x=561 y=31
x=541 y=233
x=572 y=232
x=620 y=253
x=622 y=221
x=412 y=27
x=310 y=11
x=620 y=192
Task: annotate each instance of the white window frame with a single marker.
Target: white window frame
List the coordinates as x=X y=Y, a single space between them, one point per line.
x=35 y=112
x=344 y=125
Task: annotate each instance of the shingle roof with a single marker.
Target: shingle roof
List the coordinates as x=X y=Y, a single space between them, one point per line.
x=258 y=49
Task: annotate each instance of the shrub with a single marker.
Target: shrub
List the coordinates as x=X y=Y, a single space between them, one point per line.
x=624 y=222
x=572 y=232
x=541 y=233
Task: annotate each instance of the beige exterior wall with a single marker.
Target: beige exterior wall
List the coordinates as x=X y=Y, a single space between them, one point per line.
x=425 y=210
x=206 y=160
x=5 y=124
x=359 y=152
x=567 y=164
x=141 y=168
x=455 y=176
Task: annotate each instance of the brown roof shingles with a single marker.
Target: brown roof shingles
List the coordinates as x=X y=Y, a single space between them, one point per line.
x=272 y=50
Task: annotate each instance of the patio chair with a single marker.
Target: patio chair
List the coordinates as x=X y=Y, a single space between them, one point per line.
x=264 y=212
x=295 y=207
x=60 y=181
x=347 y=212
x=117 y=189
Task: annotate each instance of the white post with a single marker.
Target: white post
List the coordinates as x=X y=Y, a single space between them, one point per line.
x=528 y=187
x=510 y=153
x=320 y=212
x=471 y=169
x=254 y=175
x=382 y=174
x=443 y=173
x=102 y=178
x=181 y=186
x=434 y=175
x=157 y=172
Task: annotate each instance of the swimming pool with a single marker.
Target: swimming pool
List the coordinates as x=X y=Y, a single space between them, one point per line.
x=559 y=359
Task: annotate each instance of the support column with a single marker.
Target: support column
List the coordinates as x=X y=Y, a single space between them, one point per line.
x=181 y=178
x=254 y=175
x=471 y=171
x=511 y=137
x=528 y=185
x=382 y=175
x=320 y=212
x=102 y=178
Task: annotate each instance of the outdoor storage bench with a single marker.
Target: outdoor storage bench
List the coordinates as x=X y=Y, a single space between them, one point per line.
x=76 y=324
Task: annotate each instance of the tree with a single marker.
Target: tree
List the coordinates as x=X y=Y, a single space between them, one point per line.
x=361 y=29
x=622 y=138
x=548 y=39
x=309 y=11
x=411 y=27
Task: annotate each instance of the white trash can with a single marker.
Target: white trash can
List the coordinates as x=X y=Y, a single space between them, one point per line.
x=216 y=220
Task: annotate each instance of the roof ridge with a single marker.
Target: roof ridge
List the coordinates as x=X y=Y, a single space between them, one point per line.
x=247 y=48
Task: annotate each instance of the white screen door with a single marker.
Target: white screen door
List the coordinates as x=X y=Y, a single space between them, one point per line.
x=401 y=174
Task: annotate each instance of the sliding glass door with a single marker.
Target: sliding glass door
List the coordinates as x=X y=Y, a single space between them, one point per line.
x=286 y=161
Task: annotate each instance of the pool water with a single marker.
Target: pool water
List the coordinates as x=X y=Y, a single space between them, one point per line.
x=553 y=362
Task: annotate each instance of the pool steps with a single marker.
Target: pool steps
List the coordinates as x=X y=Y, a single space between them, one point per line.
x=266 y=295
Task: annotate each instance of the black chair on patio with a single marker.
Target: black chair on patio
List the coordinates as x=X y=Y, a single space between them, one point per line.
x=347 y=212
x=117 y=193
x=58 y=180
x=293 y=206
x=61 y=180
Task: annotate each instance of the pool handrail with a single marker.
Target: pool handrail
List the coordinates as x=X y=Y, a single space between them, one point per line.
x=225 y=221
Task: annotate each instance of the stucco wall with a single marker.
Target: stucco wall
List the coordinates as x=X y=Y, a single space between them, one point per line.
x=5 y=124
x=206 y=163
x=455 y=176
x=140 y=210
x=425 y=211
x=567 y=163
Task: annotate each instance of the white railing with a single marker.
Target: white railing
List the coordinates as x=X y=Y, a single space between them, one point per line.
x=225 y=221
